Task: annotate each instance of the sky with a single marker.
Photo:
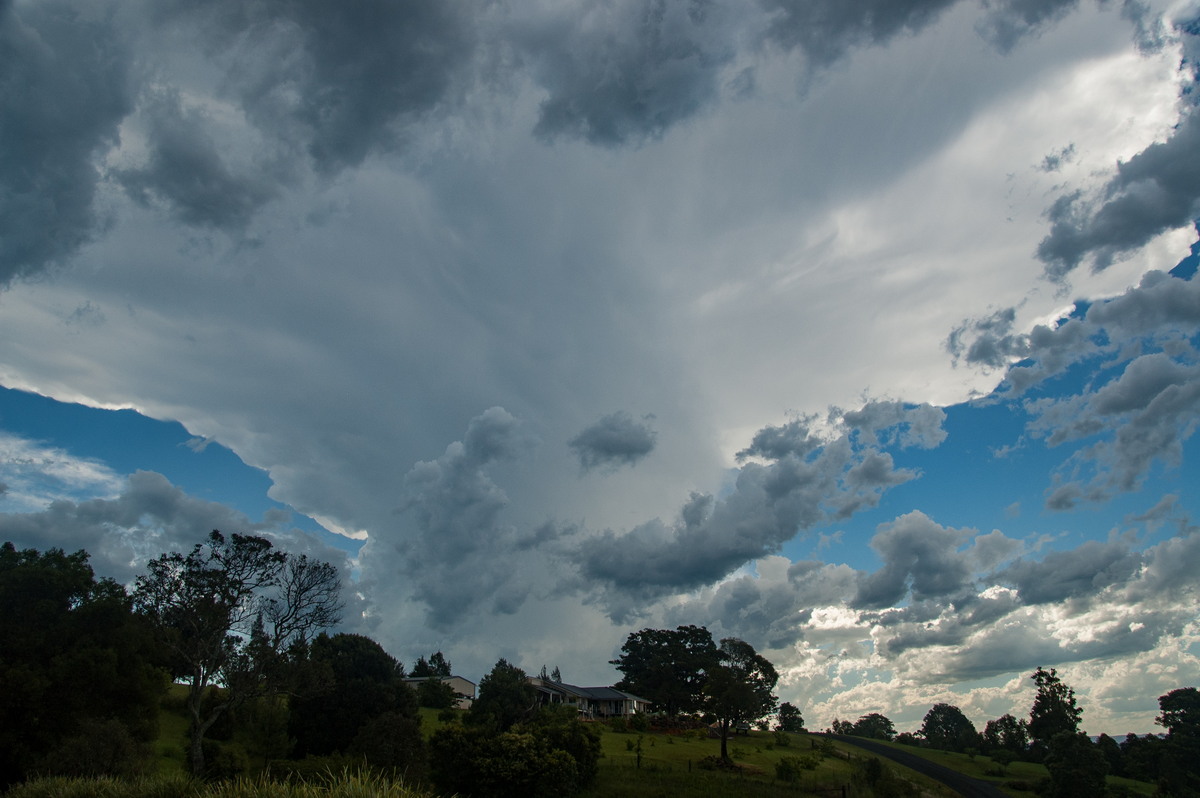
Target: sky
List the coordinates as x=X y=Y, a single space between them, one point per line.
x=866 y=332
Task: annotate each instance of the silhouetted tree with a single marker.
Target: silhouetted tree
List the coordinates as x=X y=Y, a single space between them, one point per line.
x=874 y=725
x=945 y=727
x=668 y=667
x=436 y=665
x=1006 y=733
x=738 y=688
x=204 y=602
x=1179 y=765
x=1076 y=766
x=790 y=719
x=80 y=673
x=505 y=698
x=1054 y=709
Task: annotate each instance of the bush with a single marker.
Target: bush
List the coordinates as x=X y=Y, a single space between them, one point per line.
x=640 y=723
x=782 y=740
x=101 y=748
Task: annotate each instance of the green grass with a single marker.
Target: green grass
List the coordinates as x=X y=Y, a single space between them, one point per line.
x=670 y=766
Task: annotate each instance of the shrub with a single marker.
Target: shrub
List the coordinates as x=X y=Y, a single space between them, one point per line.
x=640 y=722
x=782 y=739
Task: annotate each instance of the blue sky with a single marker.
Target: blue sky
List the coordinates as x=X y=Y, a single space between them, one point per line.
x=864 y=332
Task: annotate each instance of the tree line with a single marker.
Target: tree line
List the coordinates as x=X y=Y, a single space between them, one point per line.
x=1077 y=765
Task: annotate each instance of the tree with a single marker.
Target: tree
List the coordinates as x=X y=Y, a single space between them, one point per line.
x=946 y=728
x=1054 y=709
x=875 y=726
x=789 y=719
x=227 y=611
x=433 y=693
x=505 y=698
x=1076 y=765
x=350 y=681
x=668 y=667
x=1179 y=765
x=80 y=673
x=1006 y=733
x=738 y=688
x=436 y=665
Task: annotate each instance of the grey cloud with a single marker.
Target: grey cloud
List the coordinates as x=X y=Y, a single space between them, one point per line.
x=825 y=30
x=1154 y=191
x=186 y=171
x=615 y=440
x=65 y=88
x=911 y=425
x=769 y=505
x=454 y=557
x=919 y=556
x=1080 y=572
x=1009 y=21
x=991 y=340
x=342 y=79
x=795 y=438
x=149 y=517
x=627 y=71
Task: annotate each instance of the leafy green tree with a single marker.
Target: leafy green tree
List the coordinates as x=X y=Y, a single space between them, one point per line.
x=668 y=667
x=475 y=761
x=350 y=681
x=1054 y=709
x=946 y=728
x=562 y=730
x=738 y=688
x=1142 y=756
x=790 y=719
x=505 y=698
x=1111 y=750
x=1077 y=767
x=873 y=725
x=1179 y=766
x=227 y=611
x=433 y=693
x=1008 y=733
x=74 y=659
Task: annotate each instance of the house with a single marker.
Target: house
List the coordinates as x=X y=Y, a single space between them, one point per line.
x=464 y=689
x=592 y=702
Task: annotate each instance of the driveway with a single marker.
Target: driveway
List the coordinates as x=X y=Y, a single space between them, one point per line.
x=963 y=785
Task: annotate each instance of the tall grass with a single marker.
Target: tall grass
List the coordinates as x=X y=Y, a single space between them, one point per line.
x=346 y=785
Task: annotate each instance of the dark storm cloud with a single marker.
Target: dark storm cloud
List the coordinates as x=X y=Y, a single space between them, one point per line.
x=615 y=440
x=1008 y=21
x=623 y=72
x=149 y=517
x=456 y=561
x=185 y=170
x=769 y=505
x=1154 y=191
x=342 y=79
x=1081 y=572
x=64 y=89
x=827 y=29
x=920 y=557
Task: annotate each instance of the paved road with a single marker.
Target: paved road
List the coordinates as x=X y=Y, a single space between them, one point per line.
x=964 y=785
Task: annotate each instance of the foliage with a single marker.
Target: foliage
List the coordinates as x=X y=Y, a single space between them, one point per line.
x=738 y=688
x=668 y=667
x=1054 y=709
x=348 y=682
x=392 y=741
x=432 y=692
x=339 y=784
x=436 y=665
x=945 y=727
x=560 y=727
x=1179 y=766
x=873 y=725
x=505 y=698
x=473 y=761
x=1180 y=712
x=203 y=603
x=790 y=768
x=74 y=659
x=790 y=719
x=1077 y=767
x=1008 y=733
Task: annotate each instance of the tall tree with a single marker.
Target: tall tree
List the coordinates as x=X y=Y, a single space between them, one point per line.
x=227 y=611
x=668 y=667
x=75 y=662
x=946 y=728
x=1179 y=764
x=436 y=665
x=505 y=698
x=738 y=688
x=1054 y=709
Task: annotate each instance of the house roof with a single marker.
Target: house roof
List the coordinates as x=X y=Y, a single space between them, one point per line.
x=594 y=693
